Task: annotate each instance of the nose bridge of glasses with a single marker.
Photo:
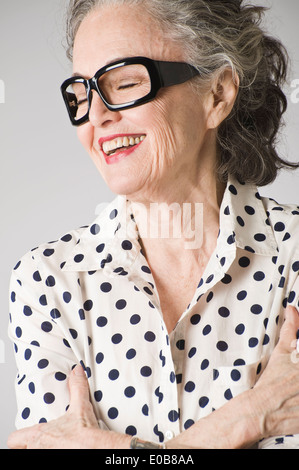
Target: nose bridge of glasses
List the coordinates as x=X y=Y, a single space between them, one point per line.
x=98 y=109
x=93 y=88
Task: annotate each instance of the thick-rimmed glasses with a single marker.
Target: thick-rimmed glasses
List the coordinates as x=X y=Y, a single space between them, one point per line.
x=124 y=84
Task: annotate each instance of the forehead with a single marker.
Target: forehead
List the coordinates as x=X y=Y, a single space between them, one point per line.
x=112 y=33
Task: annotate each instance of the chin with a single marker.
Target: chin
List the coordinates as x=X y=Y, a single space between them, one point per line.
x=124 y=178
x=123 y=185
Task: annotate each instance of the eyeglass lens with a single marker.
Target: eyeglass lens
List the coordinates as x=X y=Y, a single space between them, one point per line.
x=119 y=86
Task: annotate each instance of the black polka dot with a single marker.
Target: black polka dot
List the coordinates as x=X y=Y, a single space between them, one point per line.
x=26 y=413
x=67 y=297
x=279 y=227
x=260 y=237
x=222 y=345
x=203 y=401
x=256 y=309
x=242 y=295
x=98 y=395
x=244 y=262
x=95 y=229
x=259 y=276
x=113 y=413
x=150 y=336
x=235 y=375
x=106 y=287
x=249 y=210
x=46 y=326
x=126 y=245
x=129 y=392
x=60 y=376
x=121 y=304
x=146 y=371
x=79 y=258
x=224 y=312
x=189 y=386
x=43 y=363
x=195 y=319
x=36 y=276
x=88 y=304
x=48 y=252
x=102 y=321
x=27 y=311
x=55 y=313
x=49 y=398
x=117 y=338
x=233 y=189
x=131 y=430
x=240 y=329
x=113 y=214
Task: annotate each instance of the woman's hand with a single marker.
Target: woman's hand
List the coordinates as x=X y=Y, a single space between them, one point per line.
x=76 y=429
x=271 y=408
x=277 y=391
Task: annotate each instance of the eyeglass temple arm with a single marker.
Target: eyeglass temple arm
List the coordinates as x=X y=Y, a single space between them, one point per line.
x=174 y=73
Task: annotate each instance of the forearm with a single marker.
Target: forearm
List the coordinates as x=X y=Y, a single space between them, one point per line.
x=236 y=425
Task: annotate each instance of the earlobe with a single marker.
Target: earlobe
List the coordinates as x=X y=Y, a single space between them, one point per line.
x=223 y=95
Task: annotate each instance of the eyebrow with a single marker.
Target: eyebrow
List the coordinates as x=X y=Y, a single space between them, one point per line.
x=118 y=59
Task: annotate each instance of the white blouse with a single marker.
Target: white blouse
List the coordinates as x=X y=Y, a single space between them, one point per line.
x=90 y=298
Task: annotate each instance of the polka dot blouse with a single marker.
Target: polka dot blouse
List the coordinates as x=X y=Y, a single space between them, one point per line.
x=90 y=298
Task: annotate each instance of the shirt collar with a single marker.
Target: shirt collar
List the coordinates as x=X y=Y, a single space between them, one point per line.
x=112 y=241
x=244 y=220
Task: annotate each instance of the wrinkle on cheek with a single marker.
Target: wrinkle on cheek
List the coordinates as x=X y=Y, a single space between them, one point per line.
x=164 y=141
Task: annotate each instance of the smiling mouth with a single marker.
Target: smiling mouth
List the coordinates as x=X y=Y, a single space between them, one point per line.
x=120 y=144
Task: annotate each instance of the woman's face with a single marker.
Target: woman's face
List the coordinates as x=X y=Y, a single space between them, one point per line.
x=172 y=128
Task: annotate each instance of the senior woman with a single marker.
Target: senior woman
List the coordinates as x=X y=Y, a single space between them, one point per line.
x=125 y=339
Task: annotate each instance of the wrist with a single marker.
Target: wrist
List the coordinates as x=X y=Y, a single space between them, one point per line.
x=100 y=439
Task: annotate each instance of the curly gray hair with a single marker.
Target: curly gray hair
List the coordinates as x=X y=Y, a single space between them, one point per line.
x=216 y=34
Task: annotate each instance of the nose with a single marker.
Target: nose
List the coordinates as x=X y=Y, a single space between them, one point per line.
x=99 y=114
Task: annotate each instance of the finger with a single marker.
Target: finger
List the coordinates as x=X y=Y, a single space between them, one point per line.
x=78 y=387
x=289 y=330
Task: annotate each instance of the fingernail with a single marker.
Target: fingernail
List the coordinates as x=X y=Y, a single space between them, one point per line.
x=79 y=371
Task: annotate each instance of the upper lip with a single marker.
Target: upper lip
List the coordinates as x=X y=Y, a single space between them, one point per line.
x=115 y=136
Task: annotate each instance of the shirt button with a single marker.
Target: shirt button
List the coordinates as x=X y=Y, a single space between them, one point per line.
x=169 y=435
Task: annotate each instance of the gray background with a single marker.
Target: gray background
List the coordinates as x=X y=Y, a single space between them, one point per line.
x=48 y=184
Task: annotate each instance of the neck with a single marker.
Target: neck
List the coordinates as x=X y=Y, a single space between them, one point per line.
x=184 y=220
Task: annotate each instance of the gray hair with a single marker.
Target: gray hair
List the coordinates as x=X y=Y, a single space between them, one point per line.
x=215 y=35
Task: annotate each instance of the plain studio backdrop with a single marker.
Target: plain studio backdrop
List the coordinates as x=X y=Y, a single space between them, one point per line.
x=48 y=183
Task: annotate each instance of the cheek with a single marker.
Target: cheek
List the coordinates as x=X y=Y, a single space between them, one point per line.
x=164 y=132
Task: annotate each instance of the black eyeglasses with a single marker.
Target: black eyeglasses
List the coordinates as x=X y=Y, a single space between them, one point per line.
x=123 y=84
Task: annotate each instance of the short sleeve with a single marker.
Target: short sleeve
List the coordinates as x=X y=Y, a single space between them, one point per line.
x=43 y=356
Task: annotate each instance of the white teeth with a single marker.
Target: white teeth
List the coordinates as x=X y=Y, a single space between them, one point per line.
x=126 y=142
x=112 y=145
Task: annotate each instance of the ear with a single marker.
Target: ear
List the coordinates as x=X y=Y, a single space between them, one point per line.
x=222 y=97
